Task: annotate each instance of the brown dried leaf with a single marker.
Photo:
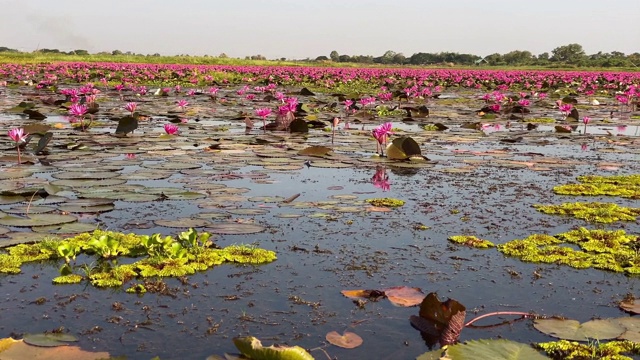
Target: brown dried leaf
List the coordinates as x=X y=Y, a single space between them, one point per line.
x=347 y=340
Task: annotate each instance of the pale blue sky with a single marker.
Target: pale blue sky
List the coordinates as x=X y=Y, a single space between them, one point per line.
x=309 y=28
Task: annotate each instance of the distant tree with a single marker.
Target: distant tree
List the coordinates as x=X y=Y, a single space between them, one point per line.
x=116 y=52
x=6 y=49
x=570 y=54
x=223 y=56
x=399 y=58
x=322 y=58
x=334 y=56
x=543 y=56
x=258 y=57
x=79 y=52
x=495 y=59
x=344 y=58
x=518 y=57
x=50 y=51
x=387 y=57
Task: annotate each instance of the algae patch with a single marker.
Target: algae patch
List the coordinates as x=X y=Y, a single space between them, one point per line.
x=627 y=186
x=612 y=250
x=385 y=202
x=471 y=241
x=158 y=256
x=592 y=211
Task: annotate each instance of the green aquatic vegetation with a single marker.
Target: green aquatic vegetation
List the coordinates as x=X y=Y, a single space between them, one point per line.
x=597 y=189
x=385 y=202
x=165 y=267
x=471 y=241
x=68 y=279
x=613 y=350
x=248 y=254
x=30 y=252
x=209 y=258
x=137 y=289
x=592 y=211
x=9 y=264
x=614 y=179
x=162 y=256
x=541 y=120
x=611 y=250
x=114 y=276
x=430 y=127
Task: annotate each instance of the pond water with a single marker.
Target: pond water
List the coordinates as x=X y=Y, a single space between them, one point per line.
x=475 y=183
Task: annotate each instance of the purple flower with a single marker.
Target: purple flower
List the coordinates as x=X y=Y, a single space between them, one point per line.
x=78 y=110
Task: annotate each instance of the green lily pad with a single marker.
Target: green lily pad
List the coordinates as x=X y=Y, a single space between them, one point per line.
x=11 y=199
x=232 y=228
x=77 y=175
x=88 y=183
x=71 y=228
x=182 y=223
x=36 y=220
x=86 y=209
x=49 y=340
x=600 y=329
x=403 y=148
x=498 y=349
x=32 y=209
x=15 y=173
x=15 y=238
x=248 y=211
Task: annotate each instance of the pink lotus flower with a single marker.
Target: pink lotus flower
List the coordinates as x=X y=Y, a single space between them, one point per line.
x=191 y=92
x=171 y=129
x=130 y=156
x=495 y=108
x=566 y=109
x=213 y=91
x=381 y=133
x=263 y=113
x=18 y=136
x=585 y=121
x=131 y=107
x=542 y=96
x=78 y=110
x=182 y=103
x=250 y=97
x=524 y=102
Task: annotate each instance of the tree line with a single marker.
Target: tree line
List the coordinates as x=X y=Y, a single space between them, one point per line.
x=562 y=56
x=571 y=54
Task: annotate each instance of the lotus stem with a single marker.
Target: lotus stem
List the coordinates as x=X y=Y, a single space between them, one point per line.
x=520 y=313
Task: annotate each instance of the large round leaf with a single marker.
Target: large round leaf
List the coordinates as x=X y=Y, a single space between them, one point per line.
x=37 y=220
x=603 y=329
x=347 y=340
x=231 y=228
x=403 y=148
x=499 y=349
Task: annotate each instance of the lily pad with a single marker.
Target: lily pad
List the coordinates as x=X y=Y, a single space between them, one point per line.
x=232 y=228
x=182 y=223
x=403 y=148
x=495 y=349
x=49 y=340
x=600 y=329
x=347 y=340
x=252 y=348
x=36 y=220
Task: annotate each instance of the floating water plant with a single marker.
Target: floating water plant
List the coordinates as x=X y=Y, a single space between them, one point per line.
x=385 y=202
x=565 y=349
x=592 y=211
x=599 y=249
x=471 y=241
x=627 y=186
x=161 y=256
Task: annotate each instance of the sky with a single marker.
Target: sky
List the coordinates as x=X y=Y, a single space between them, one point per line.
x=299 y=29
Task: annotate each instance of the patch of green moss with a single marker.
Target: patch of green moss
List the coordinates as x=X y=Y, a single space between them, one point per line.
x=68 y=279
x=592 y=211
x=248 y=254
x=161 y=258
x=430 y=127
x=137 y=289
x=599 y=249
x=542 y=120
x=385 y=202
x=209 y=258
x=597 y=189
x=614 y=179
x=113 y=277
x=471 y=241
x=574 y=350
x=9 y=264
x=627 y=186
x=165 y=267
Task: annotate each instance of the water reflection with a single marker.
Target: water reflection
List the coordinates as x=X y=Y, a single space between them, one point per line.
x=380 y=179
